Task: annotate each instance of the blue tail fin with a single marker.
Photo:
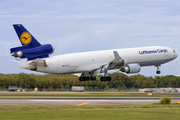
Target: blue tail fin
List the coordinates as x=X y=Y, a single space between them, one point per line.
x=31 y=48
x=25 y=37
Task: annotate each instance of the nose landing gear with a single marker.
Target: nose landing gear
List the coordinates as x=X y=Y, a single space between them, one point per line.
x=158 y=71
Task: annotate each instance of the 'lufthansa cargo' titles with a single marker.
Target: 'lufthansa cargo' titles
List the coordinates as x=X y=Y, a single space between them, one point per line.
x=153 y=51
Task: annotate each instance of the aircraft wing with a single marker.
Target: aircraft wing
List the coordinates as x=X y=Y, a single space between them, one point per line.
x=117 y=63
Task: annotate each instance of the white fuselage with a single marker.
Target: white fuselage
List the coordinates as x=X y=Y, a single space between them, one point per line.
x=88 y=61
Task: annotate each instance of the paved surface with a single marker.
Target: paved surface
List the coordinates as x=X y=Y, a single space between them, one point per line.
x=78 y=100
x=42 y=101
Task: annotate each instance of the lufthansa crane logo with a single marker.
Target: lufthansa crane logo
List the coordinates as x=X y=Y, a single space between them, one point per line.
x=25 y=38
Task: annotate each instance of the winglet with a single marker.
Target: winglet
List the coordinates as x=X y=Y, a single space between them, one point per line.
x=116 y=55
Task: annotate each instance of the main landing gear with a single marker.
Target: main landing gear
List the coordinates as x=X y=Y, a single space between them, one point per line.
x=87 y=78
x=105 y=78
x=94 y=78
x=158 y=71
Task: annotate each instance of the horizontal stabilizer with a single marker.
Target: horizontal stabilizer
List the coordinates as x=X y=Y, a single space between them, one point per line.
x=14 y=61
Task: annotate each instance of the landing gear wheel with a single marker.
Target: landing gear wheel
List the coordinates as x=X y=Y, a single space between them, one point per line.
x=83 y=78
x=93 y=78
x=108 y=78
x=158 y=72
x=86 y=78
x=105 y=78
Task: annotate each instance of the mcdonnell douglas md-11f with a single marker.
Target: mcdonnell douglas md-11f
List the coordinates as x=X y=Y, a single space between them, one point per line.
x=126 y=60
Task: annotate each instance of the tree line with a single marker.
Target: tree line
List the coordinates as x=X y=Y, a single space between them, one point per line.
x=119 y=80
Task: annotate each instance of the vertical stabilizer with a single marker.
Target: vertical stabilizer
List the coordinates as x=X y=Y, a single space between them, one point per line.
x=25 y=36
x=31 y=48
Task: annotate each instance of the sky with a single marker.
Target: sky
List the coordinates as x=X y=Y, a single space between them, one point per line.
x=91 y=25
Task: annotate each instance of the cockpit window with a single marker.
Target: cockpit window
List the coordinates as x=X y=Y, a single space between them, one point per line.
x=174 y=51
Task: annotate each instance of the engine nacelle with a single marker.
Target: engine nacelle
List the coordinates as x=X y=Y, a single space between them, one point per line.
x=131 y=68
x=40 y=51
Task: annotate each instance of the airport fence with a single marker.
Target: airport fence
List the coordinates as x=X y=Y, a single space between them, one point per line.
x=141 y=90
x=85 y=90
x=91 y=90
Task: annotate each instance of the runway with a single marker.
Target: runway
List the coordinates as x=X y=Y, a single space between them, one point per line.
x=47 y=101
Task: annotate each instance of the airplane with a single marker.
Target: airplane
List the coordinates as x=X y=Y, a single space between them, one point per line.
x=128 y=60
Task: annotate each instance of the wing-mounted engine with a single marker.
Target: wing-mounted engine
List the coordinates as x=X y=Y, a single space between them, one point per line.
x=32 y=53
x=131 y=68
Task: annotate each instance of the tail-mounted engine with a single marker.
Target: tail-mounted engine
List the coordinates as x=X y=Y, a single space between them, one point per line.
x=32 y=53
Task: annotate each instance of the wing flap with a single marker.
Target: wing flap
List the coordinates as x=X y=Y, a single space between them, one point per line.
x=78 y=74
x=117 y=62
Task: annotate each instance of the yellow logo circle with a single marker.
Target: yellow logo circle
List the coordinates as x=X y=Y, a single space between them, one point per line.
x=25 y=38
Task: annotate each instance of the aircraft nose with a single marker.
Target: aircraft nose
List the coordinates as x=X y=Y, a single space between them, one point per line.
x=175 y=55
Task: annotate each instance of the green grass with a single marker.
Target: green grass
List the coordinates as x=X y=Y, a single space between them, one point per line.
x=106 y=112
